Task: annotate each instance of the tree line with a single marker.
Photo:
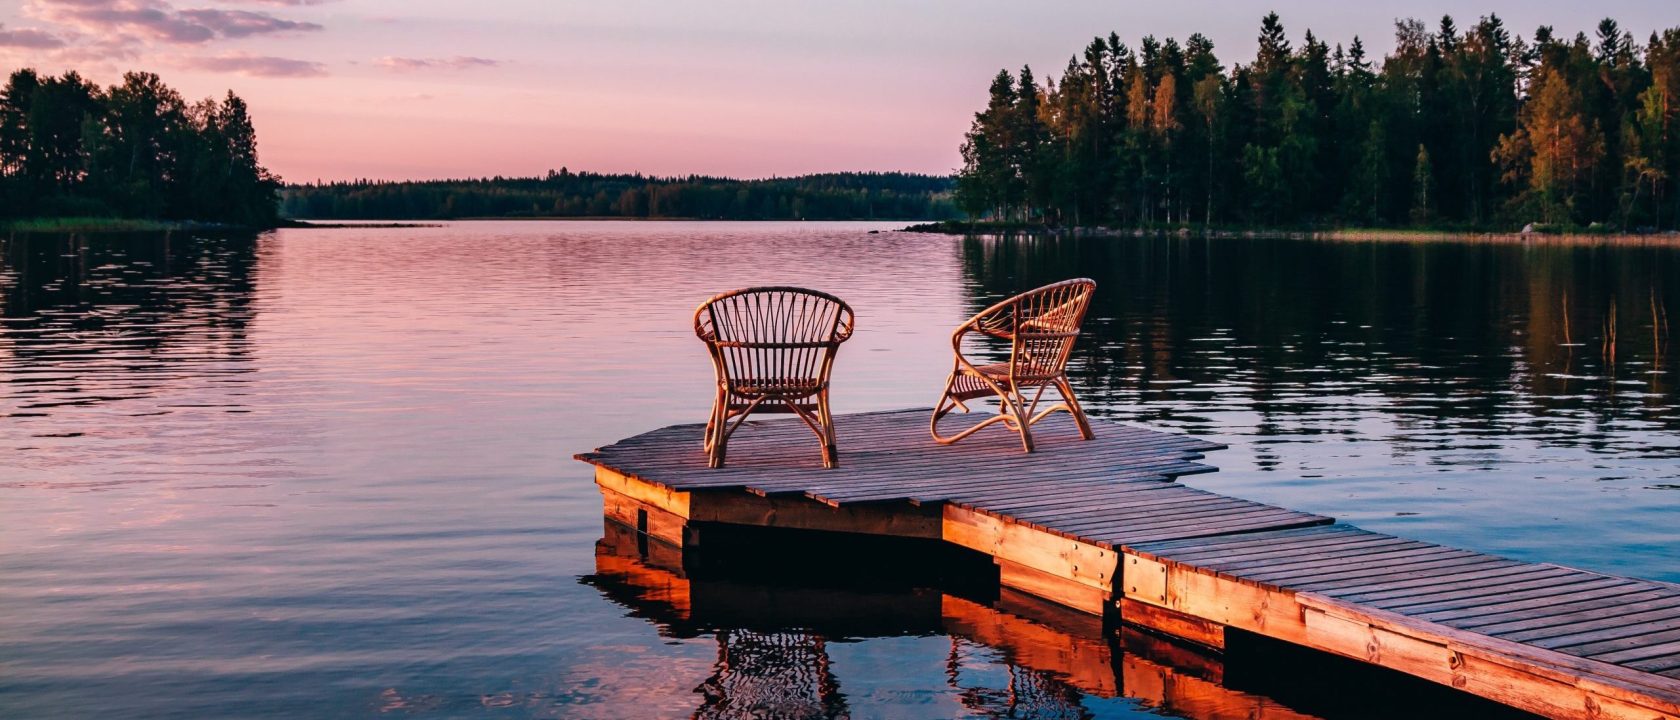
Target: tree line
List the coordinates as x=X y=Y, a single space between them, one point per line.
x=69 y=148
x=563 y=193
x=1465 y=129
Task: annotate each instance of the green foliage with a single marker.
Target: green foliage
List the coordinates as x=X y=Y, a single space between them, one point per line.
x=1466 y=128
x=563 y=193
x=135 y=150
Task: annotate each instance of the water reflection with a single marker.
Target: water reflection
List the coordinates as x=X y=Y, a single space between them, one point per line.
x=1515 y=389
x=327 y=473
x=1483 y=337
x=771 y=674
x=100 y=332
x=70 y=301
x=1009 y=655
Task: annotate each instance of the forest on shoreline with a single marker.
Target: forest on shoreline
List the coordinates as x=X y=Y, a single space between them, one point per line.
x=1474 y=129
x=135 y=151
x=566 y=194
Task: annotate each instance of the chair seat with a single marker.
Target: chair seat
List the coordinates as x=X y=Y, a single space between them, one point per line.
x=999 y=372
x=968 y=384
x=996 y=371
x=776 y=387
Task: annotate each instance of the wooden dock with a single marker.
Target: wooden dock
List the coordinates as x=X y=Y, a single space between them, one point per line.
x=1099 y=526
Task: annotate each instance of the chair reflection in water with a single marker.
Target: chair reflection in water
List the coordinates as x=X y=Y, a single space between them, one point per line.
x=1029 y=693
x=782 y=674
x=788 y=674
x=1041 y=326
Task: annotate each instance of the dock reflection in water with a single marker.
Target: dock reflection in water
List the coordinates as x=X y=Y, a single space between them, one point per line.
x=1011 y=655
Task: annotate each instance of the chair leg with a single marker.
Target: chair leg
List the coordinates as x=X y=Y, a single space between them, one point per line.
x=717 y=431
x=712 y=421
x=1026 y=433
x=942 y=408
x=1017 y=406
x=715 y=455
x=1066 y=389
x=825 y=419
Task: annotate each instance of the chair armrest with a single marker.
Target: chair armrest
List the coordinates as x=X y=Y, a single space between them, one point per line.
x=957 y=339
x=846 y=324
x=703 y=327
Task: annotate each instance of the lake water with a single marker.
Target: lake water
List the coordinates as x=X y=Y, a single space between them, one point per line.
x=328 y=472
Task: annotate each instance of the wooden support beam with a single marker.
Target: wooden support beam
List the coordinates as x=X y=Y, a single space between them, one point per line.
x=1052 y=587
x=1075 y=573
x=799 y=513
x=647 y=519
x=1179 y=625
x=648 y=493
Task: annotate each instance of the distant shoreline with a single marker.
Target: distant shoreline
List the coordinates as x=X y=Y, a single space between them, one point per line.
x=1669 y=238
x=586 y=218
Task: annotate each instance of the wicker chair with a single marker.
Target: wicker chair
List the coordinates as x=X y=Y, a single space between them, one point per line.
x=1041 y=326
x=772 y=349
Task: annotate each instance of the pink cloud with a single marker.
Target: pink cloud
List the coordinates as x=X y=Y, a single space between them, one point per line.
x=244 y=23
x=157 y=20
x=29 y=38
x=459 y=62
x=257 y=65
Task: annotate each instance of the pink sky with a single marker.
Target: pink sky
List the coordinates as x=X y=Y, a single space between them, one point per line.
x=394 y=89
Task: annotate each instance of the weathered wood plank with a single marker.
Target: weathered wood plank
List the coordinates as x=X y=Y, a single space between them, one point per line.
x=1666 y=612
x=1298 y=555
x=1486 y=591
x=1558 y=604
x=1489 y=601
x=1332 y=580
x=1406 y=558
x=1575 y=621
x=1650 y=657
x=1622 y=638
x=1512 y=576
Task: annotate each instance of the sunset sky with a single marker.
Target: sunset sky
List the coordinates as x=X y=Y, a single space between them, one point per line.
x=394 y=89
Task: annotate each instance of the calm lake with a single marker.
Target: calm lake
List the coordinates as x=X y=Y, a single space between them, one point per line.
x=329 y=472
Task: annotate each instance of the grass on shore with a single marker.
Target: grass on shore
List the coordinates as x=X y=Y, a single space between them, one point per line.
x=86 y=224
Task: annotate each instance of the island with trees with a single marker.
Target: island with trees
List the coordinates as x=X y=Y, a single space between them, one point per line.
x=136 y=151
x=566 y=194
x=1454 y=129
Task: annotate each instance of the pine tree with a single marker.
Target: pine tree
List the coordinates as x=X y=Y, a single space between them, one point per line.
x=1423 y=187
x=984 y=184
